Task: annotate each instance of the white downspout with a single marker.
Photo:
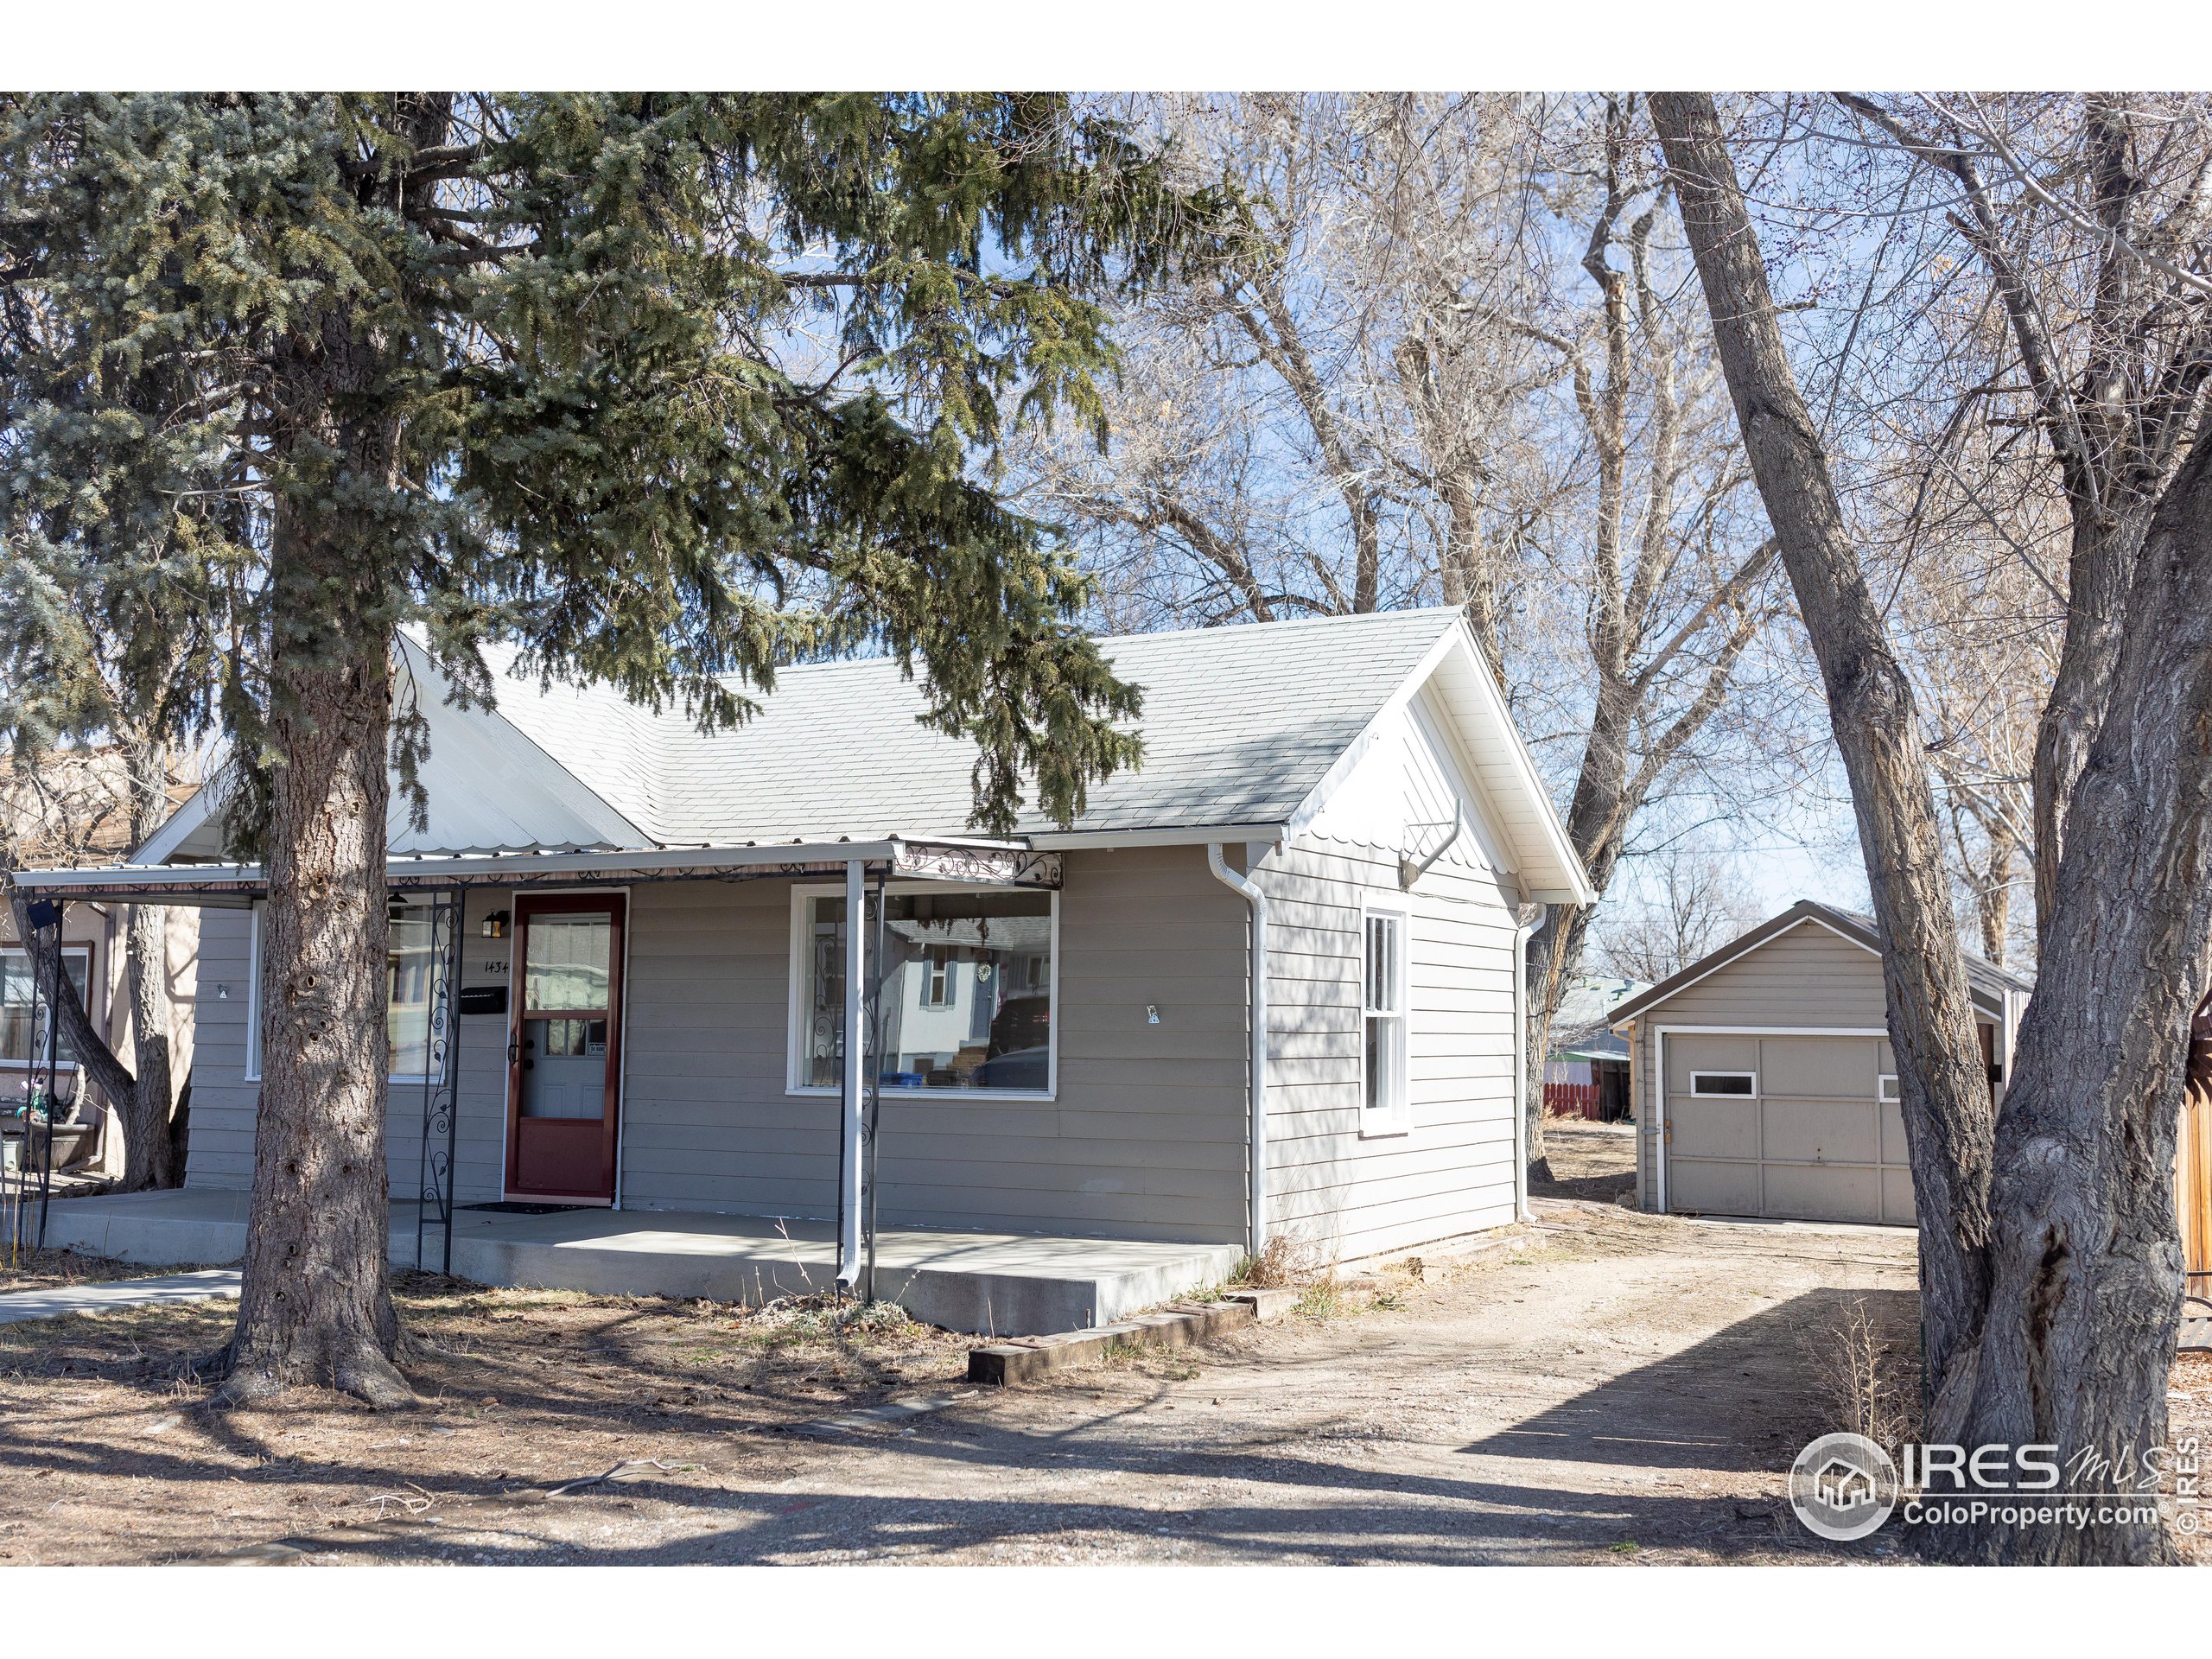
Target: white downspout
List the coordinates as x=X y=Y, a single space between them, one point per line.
x=1526 y=920
x=848 y=1129
x=1257 y=901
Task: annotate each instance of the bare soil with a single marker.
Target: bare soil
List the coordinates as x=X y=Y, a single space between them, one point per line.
x=1593 y=1162
x=1613 y=1388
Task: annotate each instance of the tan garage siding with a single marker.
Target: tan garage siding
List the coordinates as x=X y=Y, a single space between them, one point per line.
x=1454 y=1173
x=1808 y=978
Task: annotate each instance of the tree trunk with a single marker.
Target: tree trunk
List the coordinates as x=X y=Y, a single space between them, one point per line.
x=315 y=1306
x=1946 y=1098
x=150 y=1152
x=2101 y=562
x=2085 y=1295
x=151 y=1156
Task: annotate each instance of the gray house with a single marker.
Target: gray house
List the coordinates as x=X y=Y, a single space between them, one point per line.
x=620 y=955
x=1763 y=1077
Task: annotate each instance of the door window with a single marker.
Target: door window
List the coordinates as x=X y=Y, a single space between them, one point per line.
x=566 y=959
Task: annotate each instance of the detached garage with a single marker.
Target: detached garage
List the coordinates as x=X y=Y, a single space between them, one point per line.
x=1764 y=1081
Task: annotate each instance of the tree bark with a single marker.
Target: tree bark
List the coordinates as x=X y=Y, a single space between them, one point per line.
x=1946 y=1098
x=152 y=1154
x=2086 y=1287
x=315 y=1304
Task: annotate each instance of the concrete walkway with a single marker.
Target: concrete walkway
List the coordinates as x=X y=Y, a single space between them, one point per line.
x=56 y=1300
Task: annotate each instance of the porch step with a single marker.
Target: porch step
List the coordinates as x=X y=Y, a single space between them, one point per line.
x=1005 y=1363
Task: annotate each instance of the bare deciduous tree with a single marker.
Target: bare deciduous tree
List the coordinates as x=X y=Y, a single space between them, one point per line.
x=1445 y=357
x=2050 y=1269
x=1693 y=902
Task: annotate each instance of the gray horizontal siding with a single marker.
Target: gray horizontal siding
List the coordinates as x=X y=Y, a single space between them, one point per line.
x=1146 y=1137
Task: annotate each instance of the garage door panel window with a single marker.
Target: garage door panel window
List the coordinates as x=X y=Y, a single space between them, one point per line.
x=1724 y=1084
x=1886 y=1089
x=1384 y=1108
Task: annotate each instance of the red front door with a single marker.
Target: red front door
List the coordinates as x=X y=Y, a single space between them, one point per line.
x=564 y=1053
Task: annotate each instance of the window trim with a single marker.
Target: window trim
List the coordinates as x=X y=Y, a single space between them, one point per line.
x=1890 y=1077
x=1396 y=1120
x=1698 y=1093
x=796 y=1009
x=94 y=1010
x=393 y=1079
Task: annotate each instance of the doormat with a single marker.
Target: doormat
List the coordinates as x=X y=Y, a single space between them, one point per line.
x=509 y=1207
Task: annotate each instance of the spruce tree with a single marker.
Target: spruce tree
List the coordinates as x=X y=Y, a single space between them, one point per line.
x=668 y=389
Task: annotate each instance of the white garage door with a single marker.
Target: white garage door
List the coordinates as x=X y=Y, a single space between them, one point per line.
x=1784 y=1127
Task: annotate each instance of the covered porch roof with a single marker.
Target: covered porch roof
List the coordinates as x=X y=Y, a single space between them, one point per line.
x=211 y=886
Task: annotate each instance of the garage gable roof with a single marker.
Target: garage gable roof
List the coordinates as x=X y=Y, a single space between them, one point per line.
x=1987 y=983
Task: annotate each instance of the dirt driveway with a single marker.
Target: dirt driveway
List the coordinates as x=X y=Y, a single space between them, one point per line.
x=1617 y=1387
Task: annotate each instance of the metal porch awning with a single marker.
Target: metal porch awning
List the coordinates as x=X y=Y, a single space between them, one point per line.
x=995 y=863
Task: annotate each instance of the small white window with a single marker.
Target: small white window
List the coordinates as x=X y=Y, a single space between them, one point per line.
x=1737 y=1083
x=1383 y=1105
x=937 y=977
x=1888 y=1088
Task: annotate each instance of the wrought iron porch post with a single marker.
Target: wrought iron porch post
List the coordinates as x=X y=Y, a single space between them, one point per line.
x=441 y=1077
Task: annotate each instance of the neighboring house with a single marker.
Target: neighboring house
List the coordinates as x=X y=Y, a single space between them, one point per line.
x=1780 y=1095
x=75 y=812
x=653 y=984
x=1586 y=1073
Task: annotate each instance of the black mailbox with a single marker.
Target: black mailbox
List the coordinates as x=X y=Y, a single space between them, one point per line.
x=483 y=999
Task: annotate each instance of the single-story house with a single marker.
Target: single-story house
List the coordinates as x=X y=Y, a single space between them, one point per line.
x=621 y=973
x=1586 y=1070
x=1763 y=1080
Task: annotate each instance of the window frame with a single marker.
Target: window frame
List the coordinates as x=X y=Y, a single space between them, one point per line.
x=1890 y=1077
x=410 y=1079
x=94 y=1009
x=799 y=974
x=1698 y=1093
x=1395 y=1118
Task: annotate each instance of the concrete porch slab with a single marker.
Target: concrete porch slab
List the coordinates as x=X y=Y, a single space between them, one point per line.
x=1003 y=1284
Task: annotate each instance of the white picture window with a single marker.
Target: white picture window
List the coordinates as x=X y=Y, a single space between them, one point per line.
x=1740 y=1084
x=24 y=1020
x=967 y=996
x=1887 y=1089
x=1384 y=1102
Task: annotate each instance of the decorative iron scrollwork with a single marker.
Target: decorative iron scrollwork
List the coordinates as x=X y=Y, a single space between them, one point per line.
x=440 y=1081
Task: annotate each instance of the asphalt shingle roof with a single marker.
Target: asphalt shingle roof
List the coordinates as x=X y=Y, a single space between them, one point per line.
x=1239 y=725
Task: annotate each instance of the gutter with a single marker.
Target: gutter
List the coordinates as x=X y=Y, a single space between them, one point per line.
x=1245 y=887
x=1527 y=919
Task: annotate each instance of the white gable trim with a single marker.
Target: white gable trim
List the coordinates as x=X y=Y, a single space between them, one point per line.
x=1573 y=885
